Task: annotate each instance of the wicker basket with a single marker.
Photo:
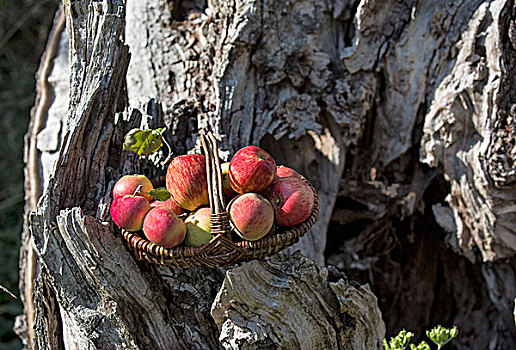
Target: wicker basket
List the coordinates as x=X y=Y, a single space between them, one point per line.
x=220 y=251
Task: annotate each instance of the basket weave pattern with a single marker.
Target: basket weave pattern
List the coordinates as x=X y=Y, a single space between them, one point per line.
x=220 y=251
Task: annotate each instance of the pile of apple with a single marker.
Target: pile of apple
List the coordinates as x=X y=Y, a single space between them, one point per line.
x=261 y=196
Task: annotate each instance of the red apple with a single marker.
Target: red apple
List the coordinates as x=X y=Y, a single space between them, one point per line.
x=251 y=215
x=170 y=204
x=128 y=212
x=198 y=227
x=292 y=199
x=163 y=227
x=283 y=171
x=127 y=184
x=251 y=170
x=186 y=181
x=228 y=191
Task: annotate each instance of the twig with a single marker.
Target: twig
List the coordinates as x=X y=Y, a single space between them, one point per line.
x=169 y=157
x=7 y=291
x=43 y=101
x=138 y=190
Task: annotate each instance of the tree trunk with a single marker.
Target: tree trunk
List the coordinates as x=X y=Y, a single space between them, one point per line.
x=90 y=291
x=401 y=113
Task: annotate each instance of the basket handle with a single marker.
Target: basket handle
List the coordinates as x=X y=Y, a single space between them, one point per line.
x=219 y=215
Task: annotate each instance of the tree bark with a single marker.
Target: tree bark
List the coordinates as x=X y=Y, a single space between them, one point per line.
x=90 y=291
x=401 y=113
x=428 y=196
x=46 y=118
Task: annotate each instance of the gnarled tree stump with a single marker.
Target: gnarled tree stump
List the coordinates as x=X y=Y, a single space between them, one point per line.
x=401 y=113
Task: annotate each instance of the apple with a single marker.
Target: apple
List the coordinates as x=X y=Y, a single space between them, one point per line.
x=186 y=181
x=128 y=212
x=198 y=227
x=283 y=171
x=251 y=170
x=163 y=227
x=292 y=199
x=127 y=184
x=228 y=191
x=170 y=204
x=251 y=215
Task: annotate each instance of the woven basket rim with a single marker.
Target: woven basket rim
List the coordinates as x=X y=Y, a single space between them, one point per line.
x=181 y=256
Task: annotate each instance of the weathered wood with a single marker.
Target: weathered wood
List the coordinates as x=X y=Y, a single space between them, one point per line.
x=103 y=298
x=388 y=107
x=443 y=100
x=296 y=304
x=256 y=72
x=39 y=161
x=469 y=131
x=106 y=298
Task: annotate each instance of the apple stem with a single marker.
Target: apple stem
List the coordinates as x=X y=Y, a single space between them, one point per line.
x=182 y=216
x=138 y=190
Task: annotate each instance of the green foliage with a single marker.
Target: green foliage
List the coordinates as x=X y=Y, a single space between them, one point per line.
x=441 y=335
x=144 y=142
x=398 y=342
x=421 y=346
x=161 y=194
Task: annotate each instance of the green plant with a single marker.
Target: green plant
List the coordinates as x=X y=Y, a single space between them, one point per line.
x=439 y=335
x=398 y=342
x=421 y=346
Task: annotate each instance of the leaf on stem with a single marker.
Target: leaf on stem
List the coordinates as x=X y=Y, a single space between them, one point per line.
x=441 y=335
x=161 y=194
x=421 y=346
x=144 y=142
x=398 y=342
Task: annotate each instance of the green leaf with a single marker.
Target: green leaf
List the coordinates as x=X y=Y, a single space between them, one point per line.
x=421 y=346
x=385 y=345
x=398 y=342
x=454 y=331
x=161 y=194
x=441 y=335
x=144 y=142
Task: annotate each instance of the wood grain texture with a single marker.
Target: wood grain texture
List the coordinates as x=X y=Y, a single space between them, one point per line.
x=469 y=131
x=292 y=302
x=104 y=298
x=435 y=149
x=399 y=112
x=51 y=85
